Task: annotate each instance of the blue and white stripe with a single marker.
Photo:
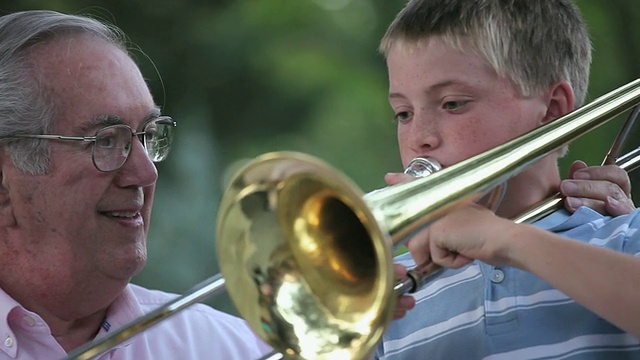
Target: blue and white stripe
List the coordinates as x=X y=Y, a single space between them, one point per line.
x=463 y=314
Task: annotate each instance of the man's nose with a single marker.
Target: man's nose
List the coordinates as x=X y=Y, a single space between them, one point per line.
x=138 y=169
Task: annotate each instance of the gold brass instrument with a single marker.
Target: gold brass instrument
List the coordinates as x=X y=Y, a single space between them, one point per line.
x=308 y=261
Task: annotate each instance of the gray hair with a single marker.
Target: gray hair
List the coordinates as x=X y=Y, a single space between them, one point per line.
x=534 y=43
x=25 y=107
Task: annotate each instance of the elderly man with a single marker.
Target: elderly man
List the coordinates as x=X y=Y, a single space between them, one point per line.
x=80 y=134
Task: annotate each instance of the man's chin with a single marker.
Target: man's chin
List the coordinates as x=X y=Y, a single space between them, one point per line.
x=126 y=267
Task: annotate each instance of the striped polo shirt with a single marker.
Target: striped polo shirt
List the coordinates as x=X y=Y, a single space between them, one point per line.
x=492 y=312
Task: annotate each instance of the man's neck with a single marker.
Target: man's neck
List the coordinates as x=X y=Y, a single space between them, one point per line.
x=72 y=334
x=76 y=324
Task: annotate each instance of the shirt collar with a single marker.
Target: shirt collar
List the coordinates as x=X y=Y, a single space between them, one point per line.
x=122 y=311
x=562 y=220
x=8 y=308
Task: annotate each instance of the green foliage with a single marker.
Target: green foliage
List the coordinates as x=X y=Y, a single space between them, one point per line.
x=248 y=77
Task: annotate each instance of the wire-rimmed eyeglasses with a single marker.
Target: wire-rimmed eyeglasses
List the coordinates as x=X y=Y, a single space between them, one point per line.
x=112 y=144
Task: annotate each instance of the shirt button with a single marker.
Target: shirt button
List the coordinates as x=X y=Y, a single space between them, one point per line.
x=8 y=342
x=497 y=276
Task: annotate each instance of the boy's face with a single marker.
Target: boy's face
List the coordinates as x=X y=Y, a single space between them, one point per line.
x=450 y=105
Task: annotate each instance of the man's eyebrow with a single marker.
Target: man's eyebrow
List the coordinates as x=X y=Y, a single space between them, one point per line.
x=101 y=121
x=153 y=114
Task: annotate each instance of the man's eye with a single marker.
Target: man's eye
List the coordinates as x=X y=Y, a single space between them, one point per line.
x=106 y=141
x=403 y=116
x=150 y=134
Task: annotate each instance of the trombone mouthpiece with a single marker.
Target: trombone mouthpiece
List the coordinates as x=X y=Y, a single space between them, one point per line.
x=421 y=167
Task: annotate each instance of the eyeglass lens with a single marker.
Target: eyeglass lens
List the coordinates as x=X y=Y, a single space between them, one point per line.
x=113 y=143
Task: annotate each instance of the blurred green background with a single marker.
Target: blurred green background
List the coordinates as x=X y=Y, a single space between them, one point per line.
x=245 y=77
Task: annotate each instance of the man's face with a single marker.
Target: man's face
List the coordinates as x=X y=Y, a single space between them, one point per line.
x=450 y=105
x=76 y=221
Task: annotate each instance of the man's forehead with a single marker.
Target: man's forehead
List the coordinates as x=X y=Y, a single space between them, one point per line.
x=76 y=56
x=92 y=84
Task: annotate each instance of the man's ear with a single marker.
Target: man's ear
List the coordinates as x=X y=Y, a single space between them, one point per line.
x=6 y=207
x=560 y=101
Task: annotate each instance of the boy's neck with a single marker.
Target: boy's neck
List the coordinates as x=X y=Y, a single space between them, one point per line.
x=538 y=182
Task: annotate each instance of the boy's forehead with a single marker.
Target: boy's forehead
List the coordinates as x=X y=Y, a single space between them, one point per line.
x=441 y=46
x=435 y=66
x=410 y=46
x=432 y=48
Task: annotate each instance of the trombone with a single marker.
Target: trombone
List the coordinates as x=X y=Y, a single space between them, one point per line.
x=307 y=258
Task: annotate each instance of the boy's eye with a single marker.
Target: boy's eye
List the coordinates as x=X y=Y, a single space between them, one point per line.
x=452 y=105
x=403 y=116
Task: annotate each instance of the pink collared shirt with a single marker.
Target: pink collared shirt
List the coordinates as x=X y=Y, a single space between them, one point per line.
x=198 y=332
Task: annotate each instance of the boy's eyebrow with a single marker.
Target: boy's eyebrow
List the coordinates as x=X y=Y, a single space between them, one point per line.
x=434 y=87
x=395 y=96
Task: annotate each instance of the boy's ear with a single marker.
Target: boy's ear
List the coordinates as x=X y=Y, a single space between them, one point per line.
x=560 y=101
